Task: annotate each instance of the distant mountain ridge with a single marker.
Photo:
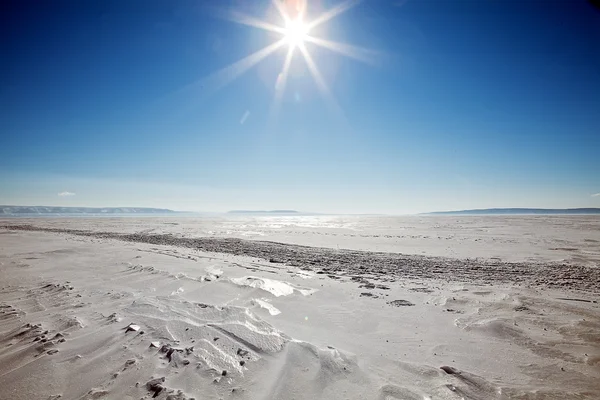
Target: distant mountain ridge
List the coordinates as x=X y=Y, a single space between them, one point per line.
x=521 y=211
x=262 y=212
x=19 y=210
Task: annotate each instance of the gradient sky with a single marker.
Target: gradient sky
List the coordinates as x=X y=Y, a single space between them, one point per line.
x=464 y=104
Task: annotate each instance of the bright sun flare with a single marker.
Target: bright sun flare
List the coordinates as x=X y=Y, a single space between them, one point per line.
x=296 y=31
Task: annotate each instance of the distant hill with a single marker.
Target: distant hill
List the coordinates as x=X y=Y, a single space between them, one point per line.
x=269 y=212
x=43 y=210
x=521 y=211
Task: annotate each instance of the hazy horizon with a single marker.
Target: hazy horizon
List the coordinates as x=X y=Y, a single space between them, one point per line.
x=405 y=107
x=124 y=210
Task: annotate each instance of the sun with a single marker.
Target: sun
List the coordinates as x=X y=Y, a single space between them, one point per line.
x=296 y=32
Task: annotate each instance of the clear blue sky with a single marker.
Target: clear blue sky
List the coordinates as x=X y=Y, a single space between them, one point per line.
x=467 y=104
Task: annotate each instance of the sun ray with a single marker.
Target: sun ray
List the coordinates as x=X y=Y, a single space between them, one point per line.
x=302 y=9
x=312 y=67
x=248 y=20
x=280 y=85
x=230 y=73
x=205 y=87
x=358 y=53
x=281 y=10
x=334 y=12
x=316 y=74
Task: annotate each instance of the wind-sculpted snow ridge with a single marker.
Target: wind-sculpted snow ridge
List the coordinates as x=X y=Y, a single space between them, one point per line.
x=275 y=287
x=334 y=262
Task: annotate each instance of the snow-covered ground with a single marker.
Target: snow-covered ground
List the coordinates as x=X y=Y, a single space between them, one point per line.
x=221 y=324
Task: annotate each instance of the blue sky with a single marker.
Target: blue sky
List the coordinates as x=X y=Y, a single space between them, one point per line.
x=463 y=104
